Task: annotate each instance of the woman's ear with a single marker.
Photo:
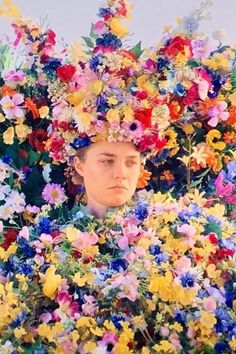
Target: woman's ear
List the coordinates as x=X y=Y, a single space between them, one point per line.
x=78 y=166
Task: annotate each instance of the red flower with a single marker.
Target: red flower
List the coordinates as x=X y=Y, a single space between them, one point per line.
x=37 y=139
x=66 y=72
x=177 y=45
x=213 y=238
x=141 y=95
x=9 y=237
x=144 y=115
x=152 y=142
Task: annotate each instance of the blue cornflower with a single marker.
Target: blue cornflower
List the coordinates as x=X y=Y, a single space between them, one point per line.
x=187 y=280
x=109 y=39
x=81 y=142
x=154 y=249
x=162 y=64
x=25 y=247
x=180 y=316
x=179 y=89
x=25 y=269
x=95 y=61
x=161 y=258
x=18 y=320
x=141 y=210
x=6 y=159
x=104 y=11
x=44 y=225
x=222 y=348
x=102 y=105
x=118 y=264
x=214 y=219
x=116 y=319
x=51 y=65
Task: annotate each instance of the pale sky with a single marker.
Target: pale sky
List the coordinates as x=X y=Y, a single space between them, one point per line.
x=71 y=19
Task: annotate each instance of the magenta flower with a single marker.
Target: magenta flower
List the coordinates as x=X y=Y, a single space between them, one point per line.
x=15 y=75
x=53 y=193
x=11 y=107
x=100 y=27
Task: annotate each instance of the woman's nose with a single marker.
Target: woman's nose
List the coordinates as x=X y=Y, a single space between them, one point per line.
x=120 y=170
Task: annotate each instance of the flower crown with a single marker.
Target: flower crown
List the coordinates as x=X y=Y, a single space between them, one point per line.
x=103 y=99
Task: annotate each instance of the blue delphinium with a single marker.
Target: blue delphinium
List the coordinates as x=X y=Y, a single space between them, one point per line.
x=141 y=210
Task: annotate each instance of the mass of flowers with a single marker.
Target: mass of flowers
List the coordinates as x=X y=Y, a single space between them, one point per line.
x=157 y=275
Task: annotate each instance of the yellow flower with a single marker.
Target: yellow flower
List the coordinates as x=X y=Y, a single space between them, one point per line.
x=232 y=343
x=4 y=255
x=76 y=98
x=112 y=100
x=43 y=111
x=9 y=9
x=199 y=154
x=207 y=319
x=96 y=87
x=19 y=332
x=8 y=136
x=83 y=119
x=117 y=27
x=177 y=327
x=211 y=138
x=217 y=62
x=212 y=272
x=128 y=114
x=22 y=130
x=81 y=281
x=113 y=115
x=51 y=282
x=165 y=347
x=2 y=118
x=122 y=348
x=89 y=347
x=217 y=210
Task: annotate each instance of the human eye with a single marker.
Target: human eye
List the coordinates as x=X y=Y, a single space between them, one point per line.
x=107 y=162
x=131 y=163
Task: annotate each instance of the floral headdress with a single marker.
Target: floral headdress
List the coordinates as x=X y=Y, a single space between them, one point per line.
x=101 y=98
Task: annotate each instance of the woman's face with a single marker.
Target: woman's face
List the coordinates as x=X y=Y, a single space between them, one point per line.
x=110 y=172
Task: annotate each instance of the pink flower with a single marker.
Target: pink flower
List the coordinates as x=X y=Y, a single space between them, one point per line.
x=183 y=265
x=11 y=107
x=24 y=232
x=127 y=284
x=90 y=307
x=189 y=232
x=217 y=113
x=225 y=190
x=53 y=193
x=209 y=304
x=200 y=48
x=84 y=240
x=100 y=27
x=15 y=75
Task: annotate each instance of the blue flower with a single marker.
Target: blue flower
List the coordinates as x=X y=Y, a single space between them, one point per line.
x=180 y=316
x=222 y=348
x=18 y=320
x=104 y=11
x=161 y=258
x=187 y=280
x=24 y=246
x=108 y=40
x=116 y=319
x=44 y=225
x=102 y=105
x=154 y=249
x=179 y=89
x=81 y=142
x=119 y=265
x=162 y=64
x=6 y=159
x=95 y=61
x=141 y=210
x=25 y=269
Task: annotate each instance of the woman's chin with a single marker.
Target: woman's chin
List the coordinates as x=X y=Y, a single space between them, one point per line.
x=117 y=201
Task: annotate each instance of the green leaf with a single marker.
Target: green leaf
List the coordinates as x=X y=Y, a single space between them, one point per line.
x=213 y=227
x=192 y=63
x=5 y=57
x=92 y=34
x=137 y=50
x=88 y=41
x=33 y=157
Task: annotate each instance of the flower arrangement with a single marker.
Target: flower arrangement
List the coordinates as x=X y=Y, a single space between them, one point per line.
x=159 y=274
x=156 y=276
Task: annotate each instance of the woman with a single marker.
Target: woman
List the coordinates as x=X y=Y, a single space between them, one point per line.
x=110 y=174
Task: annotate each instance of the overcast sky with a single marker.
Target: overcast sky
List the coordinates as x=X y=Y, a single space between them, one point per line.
x=72 y=18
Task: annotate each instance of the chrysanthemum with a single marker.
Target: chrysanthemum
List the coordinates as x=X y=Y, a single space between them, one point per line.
x=53 y=193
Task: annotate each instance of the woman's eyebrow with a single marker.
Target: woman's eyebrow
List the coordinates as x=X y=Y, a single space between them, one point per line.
x=108 y=154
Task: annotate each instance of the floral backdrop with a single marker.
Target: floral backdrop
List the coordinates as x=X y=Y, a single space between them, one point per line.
x=159 y=274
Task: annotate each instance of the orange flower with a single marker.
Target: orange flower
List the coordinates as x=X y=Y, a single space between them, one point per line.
x=144 y=177
x=167 y=176
x=229 y=137
x=32 y=107
x=175 y=110
x=207 y=104
x=232 y=116
x=7 y=91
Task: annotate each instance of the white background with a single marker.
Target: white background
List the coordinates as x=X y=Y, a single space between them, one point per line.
x=71 y=19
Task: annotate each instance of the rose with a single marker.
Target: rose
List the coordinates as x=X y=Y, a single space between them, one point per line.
x=177 y=45
x=66 y=72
